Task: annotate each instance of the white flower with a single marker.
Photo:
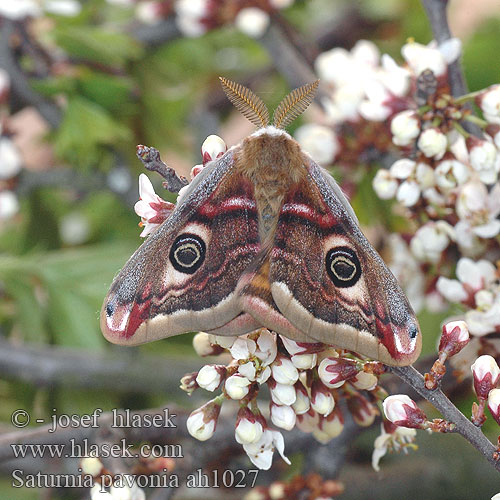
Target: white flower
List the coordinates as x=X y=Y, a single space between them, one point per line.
x=364 y=381
x=19 y=9
x=252 y=21
x=384 y=184
x=304 y=361
x=266 y=347
x=432 y=143
x=430 y=241
x=74 y=228
x=152 y=209
x=248 y=370
x=421 y=57
x=68 y=8
x=405 y=127
x=91 y=465
x=425 y=176
x=322 y=402
x=489 y=101
x=451 y=290
x=213 y=147
x=223 y=341
x=284 y=372
x=243 y=348
x=485 y=319
x=302 y=402
x=262 y=377
x=394 y=77
x=376 y=105
x=209 y=378
x=391 y=441
x=319 y=141
x=283 y=394
x=10 y=159
x=402 y=169
x=261 y=452
x=236 y=386
x=483 y=159
x=189 y=16
x=202 y=421
x=451 y=173
x=408 y=193
x=248 y=429
x=283 y=416
x=9 y=205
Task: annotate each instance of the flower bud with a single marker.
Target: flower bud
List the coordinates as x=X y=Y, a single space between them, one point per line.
x=195 y=171
x=304 y=361
x=302 y=402
x=283 y=371
x=322 y=400
x=433 y=143
x=332 y=424
x=482 y=157
x=405 y=127
x=282 y=394
x=252 y=21
x=188 y=382
x=283 y=416
x=454 y=338
x=486 y=375
x=248 y=429
x=403 y=411
x=237 y=386
x=210 y=377
x=363 y=412
x=308 y=421
x=489 y=102
x=204 y=347
x=494 y=404
x=384 y=184
x=364 y=381
x=403 y=168
x=333 y=372
x=91 y=465
x=212 y=148
x=202 y=421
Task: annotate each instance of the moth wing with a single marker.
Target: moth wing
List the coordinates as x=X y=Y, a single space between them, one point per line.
x=183 y=277
x=331 y=284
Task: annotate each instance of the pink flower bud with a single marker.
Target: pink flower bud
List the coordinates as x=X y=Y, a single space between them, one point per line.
x=454 y=338
x=202 y=422
x=248 y=429
x=212 y=148
x=282 y=394
x=403 y=411
x=322 y=400
x=195 y=171
x=308 y=421
x=237 y=386
x=333 y=372
x=494 y=404
x=211 y=376
x=283 y=416
x=283 y=371
x=362 y=411
x=486 y=375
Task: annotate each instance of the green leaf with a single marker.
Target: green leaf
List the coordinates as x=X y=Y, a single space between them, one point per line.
x=96 y=44
x=85 y=128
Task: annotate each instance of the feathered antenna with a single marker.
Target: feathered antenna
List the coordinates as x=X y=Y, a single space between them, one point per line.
x=294 y=104
x=246 y=102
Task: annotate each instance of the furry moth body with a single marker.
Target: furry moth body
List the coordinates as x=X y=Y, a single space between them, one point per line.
x=263 y=237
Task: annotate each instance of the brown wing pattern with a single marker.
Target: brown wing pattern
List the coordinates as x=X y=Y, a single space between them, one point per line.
x=330 y=283
x=184 y=276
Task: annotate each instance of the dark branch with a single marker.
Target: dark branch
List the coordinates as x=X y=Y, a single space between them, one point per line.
x=449 y=411
x=121 y=370
x=150 y=158
x=436 y=12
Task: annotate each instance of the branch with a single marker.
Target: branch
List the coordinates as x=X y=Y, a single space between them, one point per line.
x=436 y=12
x=20 y=86
x=119 y=370
x=449 y=411
x=150 y=158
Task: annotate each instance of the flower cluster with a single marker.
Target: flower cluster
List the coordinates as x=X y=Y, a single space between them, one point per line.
x=305 y=382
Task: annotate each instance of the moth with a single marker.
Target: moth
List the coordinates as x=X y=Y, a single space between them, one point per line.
x=264 y=237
